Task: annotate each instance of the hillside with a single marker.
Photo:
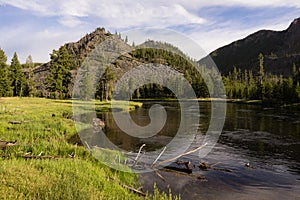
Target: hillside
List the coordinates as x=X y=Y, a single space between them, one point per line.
x=148 y=52
x=280 y=48
x=78 y=50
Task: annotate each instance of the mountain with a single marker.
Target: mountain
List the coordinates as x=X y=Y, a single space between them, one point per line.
x=149 y=52
x=80 y=50
x=281 y=49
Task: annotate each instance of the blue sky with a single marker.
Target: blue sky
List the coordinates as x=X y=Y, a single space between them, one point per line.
x=36 y=27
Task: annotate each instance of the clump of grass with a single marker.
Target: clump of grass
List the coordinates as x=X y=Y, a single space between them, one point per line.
x=157 y=195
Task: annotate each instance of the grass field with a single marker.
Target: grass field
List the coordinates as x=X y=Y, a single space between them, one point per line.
x=46 y=128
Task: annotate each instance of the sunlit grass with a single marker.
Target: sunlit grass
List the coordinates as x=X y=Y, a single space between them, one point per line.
x=46 y=128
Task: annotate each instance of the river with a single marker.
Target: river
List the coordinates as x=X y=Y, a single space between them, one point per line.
x=258 y=152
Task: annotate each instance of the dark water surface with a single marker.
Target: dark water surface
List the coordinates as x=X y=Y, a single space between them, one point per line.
x=266 y=138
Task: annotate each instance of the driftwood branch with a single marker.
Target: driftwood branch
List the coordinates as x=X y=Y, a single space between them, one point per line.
x=88 y=146
x=183 y=154
x=133 y=189
x=137 y=156
x=159 y=175
x=159 y=156
x=128 y=187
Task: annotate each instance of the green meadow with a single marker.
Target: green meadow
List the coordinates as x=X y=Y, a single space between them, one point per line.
x=67 y=170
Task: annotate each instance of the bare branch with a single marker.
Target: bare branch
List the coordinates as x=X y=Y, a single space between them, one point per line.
x=159 y=156
x=183 y=154
x=137 y=156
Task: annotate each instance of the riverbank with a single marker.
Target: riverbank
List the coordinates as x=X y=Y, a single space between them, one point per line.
x=265 y=103
x=44 y=164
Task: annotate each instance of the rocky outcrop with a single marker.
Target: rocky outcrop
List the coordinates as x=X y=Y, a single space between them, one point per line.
x=79 y=50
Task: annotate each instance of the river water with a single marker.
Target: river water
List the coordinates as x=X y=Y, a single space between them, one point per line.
x=257 y=155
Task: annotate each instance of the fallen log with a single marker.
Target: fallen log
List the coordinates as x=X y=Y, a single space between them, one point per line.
x=185 y=170
x=40 y=157
x=198 y=176
x=4 y=144
x=28 y=156
x=187 y=164
x=14 y=122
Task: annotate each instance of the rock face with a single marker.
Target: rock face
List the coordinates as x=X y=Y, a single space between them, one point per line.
x=86 y=44
x=280 y=49
x=79 y=50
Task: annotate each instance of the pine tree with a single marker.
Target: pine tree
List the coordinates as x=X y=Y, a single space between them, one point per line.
x=29 y=62
x=17 y=76
x=295 y=75
x=5 y=89
x=246 y=83
x=60 y=76
x=109 y=77
x=29 y=87
x=261 y=75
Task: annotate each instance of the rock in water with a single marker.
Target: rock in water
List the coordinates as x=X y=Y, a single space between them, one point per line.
x=98 y=123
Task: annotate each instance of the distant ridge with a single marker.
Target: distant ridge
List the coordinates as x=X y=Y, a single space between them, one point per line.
x=281 y=50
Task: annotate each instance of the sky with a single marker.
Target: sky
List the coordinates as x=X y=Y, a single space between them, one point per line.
x=36 y=27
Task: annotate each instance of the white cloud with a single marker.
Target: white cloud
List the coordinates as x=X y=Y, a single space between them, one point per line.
x=70 y=21
x=43 y=9
x=74 y=15
x=244 y=3
x=38 y=43
x=117 y=13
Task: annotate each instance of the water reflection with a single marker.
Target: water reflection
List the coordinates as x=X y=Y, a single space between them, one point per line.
x=268 y=138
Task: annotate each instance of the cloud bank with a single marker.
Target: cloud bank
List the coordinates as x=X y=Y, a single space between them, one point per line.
x=46 y=25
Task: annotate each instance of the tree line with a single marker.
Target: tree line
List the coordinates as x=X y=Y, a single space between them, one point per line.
x=17 y=79
x=259 y=85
